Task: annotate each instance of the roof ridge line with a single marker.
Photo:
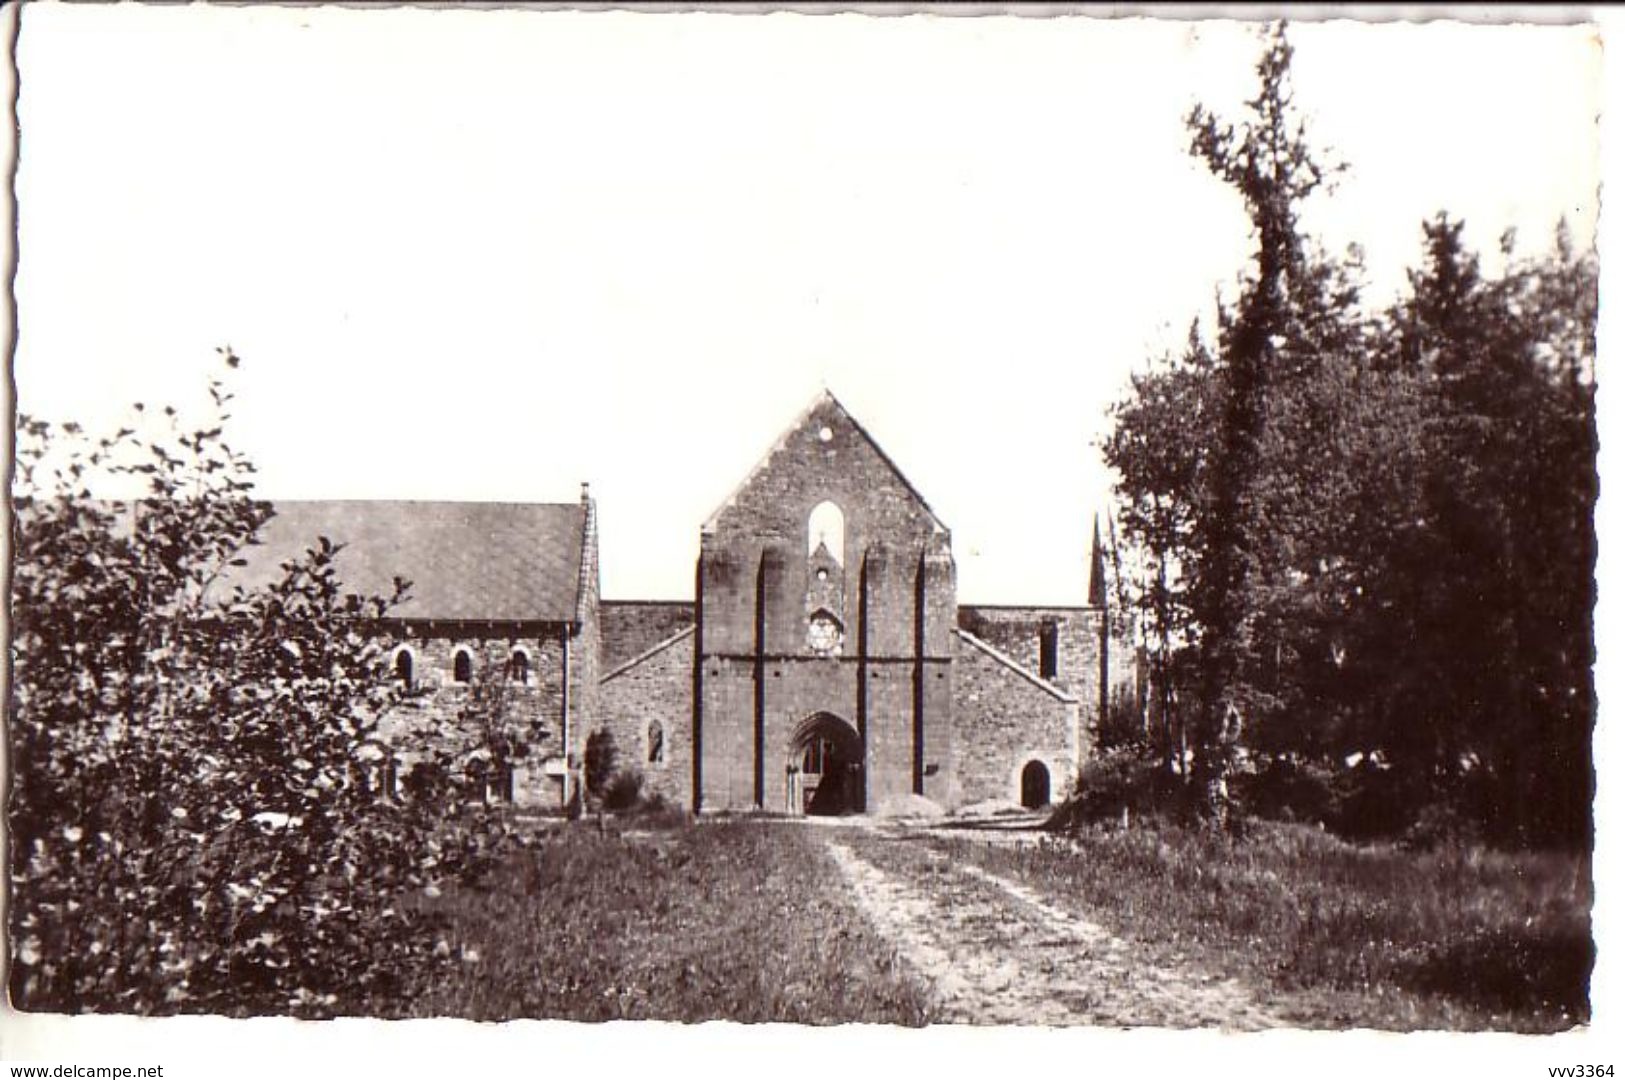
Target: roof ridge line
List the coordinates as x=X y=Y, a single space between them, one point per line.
x=1018 y=668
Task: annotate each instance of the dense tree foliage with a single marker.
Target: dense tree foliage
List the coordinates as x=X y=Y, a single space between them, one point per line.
x=1161 y=482
x=1363 y=541
x=195 y=820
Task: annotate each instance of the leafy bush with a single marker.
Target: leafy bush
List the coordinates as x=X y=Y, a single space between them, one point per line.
x=1119 y=781
x=1286 y=789
x=623 y=791
x=1442 y=823
x=1124 y=725
x=1371 y=802
x=602 y=757
x=657 y=812
x=192 y=828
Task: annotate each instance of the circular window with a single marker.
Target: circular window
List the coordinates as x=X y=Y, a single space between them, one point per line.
x=822 y=575
x=825 y=434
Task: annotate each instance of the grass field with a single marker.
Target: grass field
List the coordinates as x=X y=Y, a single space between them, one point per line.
x=731 y=920
x=1344 y=935
x=747 y=921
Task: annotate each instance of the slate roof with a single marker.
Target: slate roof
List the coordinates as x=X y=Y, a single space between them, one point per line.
x=498 y=562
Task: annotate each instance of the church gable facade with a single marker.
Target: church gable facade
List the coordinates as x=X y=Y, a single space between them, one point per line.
x=825 y=618
x=828 y=666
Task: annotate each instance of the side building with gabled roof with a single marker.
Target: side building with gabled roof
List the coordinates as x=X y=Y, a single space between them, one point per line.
x=496 y=590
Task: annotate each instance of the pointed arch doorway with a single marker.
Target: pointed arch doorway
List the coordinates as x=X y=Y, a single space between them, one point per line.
x=824 y=767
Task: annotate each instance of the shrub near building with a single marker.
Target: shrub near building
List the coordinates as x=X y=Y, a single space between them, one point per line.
x=191 y=825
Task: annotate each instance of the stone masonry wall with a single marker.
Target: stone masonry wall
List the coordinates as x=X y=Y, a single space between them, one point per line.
x=1015 y=631
x=793 y=690
x=536 y=706
x=725 y=716
x=760 y=678
x=1122 y=669
x=803 y=470
x=656 y=690
x=1002 y=720
x=630 y=628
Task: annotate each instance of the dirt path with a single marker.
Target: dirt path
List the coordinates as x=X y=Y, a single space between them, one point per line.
x=996 y=952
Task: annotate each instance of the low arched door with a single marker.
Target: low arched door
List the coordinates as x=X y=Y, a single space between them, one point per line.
x=1035 y=785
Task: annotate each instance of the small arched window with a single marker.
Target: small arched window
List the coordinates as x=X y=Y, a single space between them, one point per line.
x=657 y=743
x=403 y=666
x=462 y=666
x=519 y=667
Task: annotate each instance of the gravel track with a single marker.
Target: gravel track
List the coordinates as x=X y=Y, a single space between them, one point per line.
x=995 y=951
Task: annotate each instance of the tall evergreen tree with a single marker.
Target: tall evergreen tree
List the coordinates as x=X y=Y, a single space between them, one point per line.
x=1502 y=618
x=1277 y=329
x=1373 y=536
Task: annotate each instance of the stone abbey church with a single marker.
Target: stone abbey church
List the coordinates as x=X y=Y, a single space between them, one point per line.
x=824 y=664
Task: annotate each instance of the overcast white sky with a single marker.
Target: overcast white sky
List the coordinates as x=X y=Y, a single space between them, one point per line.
x=490 y=254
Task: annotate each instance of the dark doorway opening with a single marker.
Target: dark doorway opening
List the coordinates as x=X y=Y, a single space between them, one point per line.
x=824 y=774
x=1035 y=785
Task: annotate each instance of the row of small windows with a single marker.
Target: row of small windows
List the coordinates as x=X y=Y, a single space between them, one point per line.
x=462 y=666
x=381 y=775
